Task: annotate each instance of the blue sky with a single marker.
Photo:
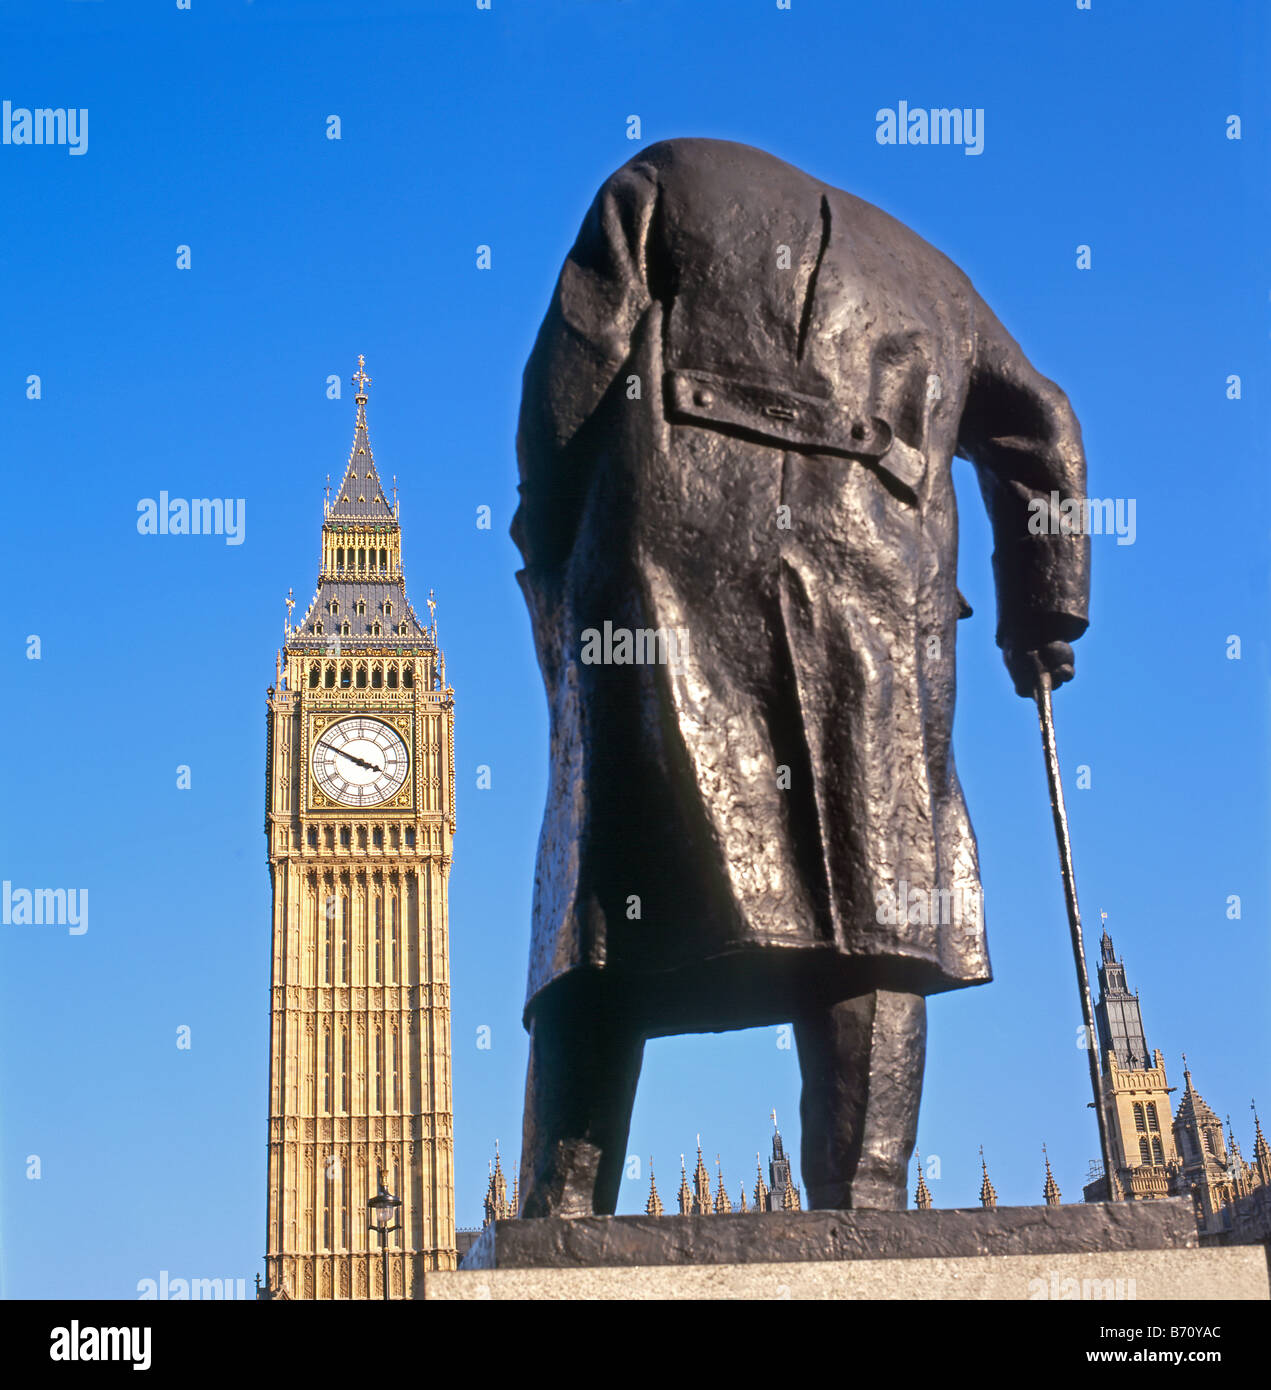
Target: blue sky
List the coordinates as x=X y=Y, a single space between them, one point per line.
x=460 y=127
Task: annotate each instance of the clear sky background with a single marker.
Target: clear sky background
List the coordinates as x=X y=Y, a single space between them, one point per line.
x=461 y=127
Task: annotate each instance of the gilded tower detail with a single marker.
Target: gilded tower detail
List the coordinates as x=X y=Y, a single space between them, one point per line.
x=359 y=815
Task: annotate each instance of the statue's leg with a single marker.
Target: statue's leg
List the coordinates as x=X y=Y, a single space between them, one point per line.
x=579 y=1091
x=862 y=1063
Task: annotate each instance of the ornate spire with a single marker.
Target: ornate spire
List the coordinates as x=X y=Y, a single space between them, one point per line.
x=761 y=1187
x=723 y=1204
x=685 y=1195
x=1261 y=1152
x=741 y=1200
x=653 y=1207
x=360 y=496
x=1051 y=1191
x=514 y=1206
x=790 y=1196
x=922 y=1195
x=702 y=1204
x=988 y=1194
x=489 y=1206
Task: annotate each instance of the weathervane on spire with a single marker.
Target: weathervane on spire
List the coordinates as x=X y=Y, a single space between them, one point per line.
x=360 y=378
x=432 y=609
x=291 y=603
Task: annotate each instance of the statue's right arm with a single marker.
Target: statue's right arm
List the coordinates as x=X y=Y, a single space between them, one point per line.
x=581 y=347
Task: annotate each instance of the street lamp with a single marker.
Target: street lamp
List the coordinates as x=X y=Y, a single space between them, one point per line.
x=384 y=1208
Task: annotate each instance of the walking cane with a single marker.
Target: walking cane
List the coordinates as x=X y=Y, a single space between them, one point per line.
x=1046 y=718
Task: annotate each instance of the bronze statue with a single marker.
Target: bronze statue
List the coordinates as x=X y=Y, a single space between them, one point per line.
x=740 y=545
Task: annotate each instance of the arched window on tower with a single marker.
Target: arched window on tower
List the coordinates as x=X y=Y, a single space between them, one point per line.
x=329 y=682
x=1158 y=1153
x=1139 y=1123
x=392 y=941
x=361 y=677
x=388 y=607
x=1151 y=1115
x=361 y=608
x=379 y=1070
x=377 y=673
x=345 y=629
x=392 y=1070
x=339 y=557
x=345 y=933
x=383 y=558
x=1145 y=1153
x=408 y=675
x=361 y=557
x=1209 y=1142
x=392 y=677
x=326 y=1069
x=379 y=941
x=375 y=628
x=346 y=676
x=315 y=676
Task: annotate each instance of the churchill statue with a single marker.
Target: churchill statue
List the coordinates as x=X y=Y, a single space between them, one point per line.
x=739 y=534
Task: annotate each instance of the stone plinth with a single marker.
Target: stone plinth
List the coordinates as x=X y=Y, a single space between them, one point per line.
x=1180 y=1274
x=778 y=1238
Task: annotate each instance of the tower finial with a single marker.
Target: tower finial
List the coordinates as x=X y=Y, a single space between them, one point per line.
x=360 y=380
x=988 y=1194
x=773 y=1115
x=922 y=1193
x=1051 y=1190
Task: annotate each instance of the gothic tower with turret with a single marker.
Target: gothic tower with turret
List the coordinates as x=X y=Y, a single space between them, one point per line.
x=1136 y=1091
x=359 y=816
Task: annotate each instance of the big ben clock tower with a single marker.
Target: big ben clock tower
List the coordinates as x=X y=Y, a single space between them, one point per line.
x=359 y=814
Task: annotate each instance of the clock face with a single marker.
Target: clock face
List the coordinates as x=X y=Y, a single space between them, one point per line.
x=360 y=761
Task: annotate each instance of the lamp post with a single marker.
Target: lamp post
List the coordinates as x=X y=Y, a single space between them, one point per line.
x=384 y=1208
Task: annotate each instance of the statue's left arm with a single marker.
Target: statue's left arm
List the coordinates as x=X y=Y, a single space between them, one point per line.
x=1020 y=432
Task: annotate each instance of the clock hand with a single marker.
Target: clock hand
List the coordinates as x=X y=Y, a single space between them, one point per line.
x=352 y=757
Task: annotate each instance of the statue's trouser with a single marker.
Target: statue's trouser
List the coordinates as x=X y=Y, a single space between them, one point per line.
x=862 y=1062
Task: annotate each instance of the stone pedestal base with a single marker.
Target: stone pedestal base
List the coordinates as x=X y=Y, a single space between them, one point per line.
x=1112 y=1251
x=1187 y=1275
x=784 y=1237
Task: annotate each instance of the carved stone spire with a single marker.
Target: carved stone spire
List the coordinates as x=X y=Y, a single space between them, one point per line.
x=922 y=1195
x=988 y=1194
x=653 y=1207
x=761 y=1187
x=1051 y=1190
x=702 y=1203
x=723 y=1203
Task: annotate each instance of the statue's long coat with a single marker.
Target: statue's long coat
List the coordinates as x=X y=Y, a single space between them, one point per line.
x=737 y=427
